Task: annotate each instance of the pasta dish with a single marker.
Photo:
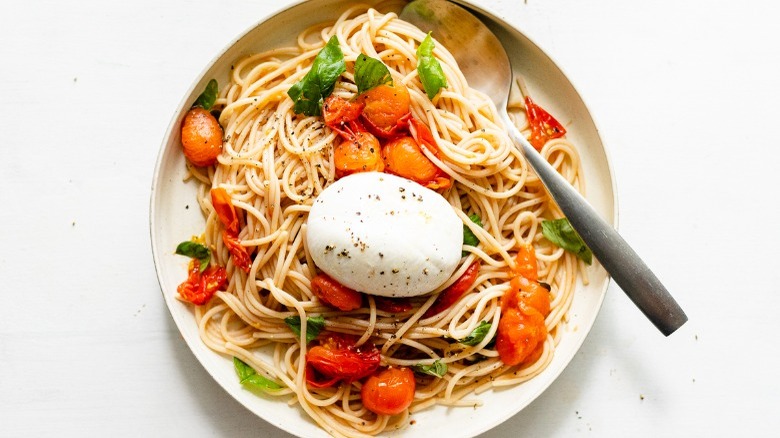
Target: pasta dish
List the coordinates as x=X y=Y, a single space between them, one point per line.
x=374 y=244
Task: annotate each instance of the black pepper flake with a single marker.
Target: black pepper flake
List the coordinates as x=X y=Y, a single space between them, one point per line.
x=401 y=189
x=396 y=270
x=381 y=255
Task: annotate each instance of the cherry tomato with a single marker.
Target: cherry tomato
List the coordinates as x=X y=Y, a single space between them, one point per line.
x=403 y=157
x=422 y=135
x=223 y=206
x=389 y=392
x=335 y=294
x=386 y=108
x=452 y=294
x=520 y=332
x=527 y=265
x=339 y=114
x=544 y=127
x=529 y=293
x=241 y=257
x=358 y=153
x=226 y=213
x=393 y=305
x=201 y=137
x=338 y=359
x=521 y=329
x=201 y=286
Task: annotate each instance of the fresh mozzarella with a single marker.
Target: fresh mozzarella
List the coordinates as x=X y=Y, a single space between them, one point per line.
x=384 y=235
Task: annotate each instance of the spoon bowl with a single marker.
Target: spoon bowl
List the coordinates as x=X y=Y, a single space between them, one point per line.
x=485 y=64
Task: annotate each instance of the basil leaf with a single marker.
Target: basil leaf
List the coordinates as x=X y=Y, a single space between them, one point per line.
x=370 y=73
x=208 y=96
x=469 y=238
x=429 y=69
x=437 y=369
x=309 y=92
x=249 y=377
x=314 y=326
x=561 y=233
x=196 y=251
x=477 y=335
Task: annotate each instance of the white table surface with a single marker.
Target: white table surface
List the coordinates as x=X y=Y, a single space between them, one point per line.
x=687 y=97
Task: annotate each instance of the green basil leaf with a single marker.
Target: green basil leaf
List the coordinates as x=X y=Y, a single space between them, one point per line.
x=249 y=377
x=208 y=96
x=469 y=238
x=196 y=251
x=370 y=73
x=309 y=93
x=429 y=69
x=242 y=369
x=477 y=335
x=314 y=326
x=437 y=369
x=561 y=233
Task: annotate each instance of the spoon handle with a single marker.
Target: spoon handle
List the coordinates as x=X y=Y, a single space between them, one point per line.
x=612 y=251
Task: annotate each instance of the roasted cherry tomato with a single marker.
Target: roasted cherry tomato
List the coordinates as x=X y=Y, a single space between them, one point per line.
x=521 y=331
x=393 y=305
x=201 y=286
x=386 y=108
x=544 y=127
x=201 y=137
x=358 y=153
x=530 y=293
x=389 y=392
x=449 y=296
x=341 y=115
x=223 y=206
x=241 y=257
x=527 y=266
x=338 y=359
x=335 y=294
x=403 y=157
x=226 y=213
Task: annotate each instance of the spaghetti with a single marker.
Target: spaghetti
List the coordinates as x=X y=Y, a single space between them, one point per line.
x=273 y=165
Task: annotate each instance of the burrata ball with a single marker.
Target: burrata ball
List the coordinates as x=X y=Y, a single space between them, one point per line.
x=384 y=235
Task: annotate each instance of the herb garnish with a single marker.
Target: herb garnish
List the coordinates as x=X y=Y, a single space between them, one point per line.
x=196 y=251
x=429 y=69
x=469 y=238
x=437 y=369
x=477 y=335
x=370 y=73
x=249 y=377
x=309 y=93
x=561 y=233
x=208 y=96
x=314 y=326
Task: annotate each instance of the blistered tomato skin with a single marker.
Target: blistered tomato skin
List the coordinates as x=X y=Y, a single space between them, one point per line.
x=385 y=105
x=201 y=137
x=389 y=392
x=335 y=294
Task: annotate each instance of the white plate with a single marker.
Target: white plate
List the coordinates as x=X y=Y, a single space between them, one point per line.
x=175 y=216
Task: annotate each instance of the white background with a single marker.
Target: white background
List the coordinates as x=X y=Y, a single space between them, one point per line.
x=687 y=99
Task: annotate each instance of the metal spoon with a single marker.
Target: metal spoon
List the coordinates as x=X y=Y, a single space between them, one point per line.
x=486 y=66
